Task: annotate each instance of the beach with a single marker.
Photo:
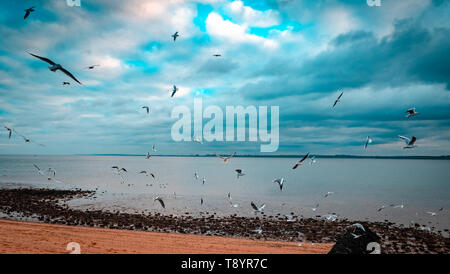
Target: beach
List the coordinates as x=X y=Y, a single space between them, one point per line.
x=47 y=224
x=40 y=238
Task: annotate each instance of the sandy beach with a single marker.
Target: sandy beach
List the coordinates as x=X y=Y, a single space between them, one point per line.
x=37 y=238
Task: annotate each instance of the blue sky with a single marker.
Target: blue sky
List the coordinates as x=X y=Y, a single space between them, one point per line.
x=286 y=53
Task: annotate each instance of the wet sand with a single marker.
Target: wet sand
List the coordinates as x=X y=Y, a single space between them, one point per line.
x=32 y=237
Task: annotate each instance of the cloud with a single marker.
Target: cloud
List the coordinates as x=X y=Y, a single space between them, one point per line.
x=227 y=31
x=250 y=17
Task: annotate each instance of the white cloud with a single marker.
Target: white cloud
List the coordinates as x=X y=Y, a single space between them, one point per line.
x=251 y=17
x=228 y=31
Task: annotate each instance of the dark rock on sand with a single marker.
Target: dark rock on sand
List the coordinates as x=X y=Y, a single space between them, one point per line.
x=355 y=241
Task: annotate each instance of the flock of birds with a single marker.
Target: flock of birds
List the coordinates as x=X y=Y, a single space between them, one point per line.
x=51 y=173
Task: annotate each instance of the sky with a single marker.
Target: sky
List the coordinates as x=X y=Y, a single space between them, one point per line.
x=297 y=55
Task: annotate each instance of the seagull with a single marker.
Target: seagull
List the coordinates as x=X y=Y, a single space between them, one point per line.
x=355 y=236
x=51 y=170
x=157 y=198
x=280 y=183
x=54 y=67
x=39 y=170
x=148 y=155
x=225 y=159
x=66 y=83
x=233 y=205
x=154 y=148
x=425 y=228
x=431 y=213
x=28 y=11
x=175 y=35
x=289 y=218
x=9 y=132
x=239 y=173
x=92 y=67
x=217 y=55
x=123 y=169
x=203 y=181
x=197 y=140
x=28 y=140
x=147 y=108
x=258 y=230
x=144 y=172
x=411 y=112
x=338 y=99
x=398 y=206
x=257 y=209
x=301 y=161
x=196 y=175
x=328 y=194
x=201 y=201
x=409 y=142
x=368 y=141
x=331 y=217
x=229 y=196
x=440 y=209
x=174 y=90
x=313 y=160
x=360 y=226
x=315 y=208
x=381 y=208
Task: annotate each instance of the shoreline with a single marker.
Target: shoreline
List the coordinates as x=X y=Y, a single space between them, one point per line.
x=49 y=206
x=19 y=237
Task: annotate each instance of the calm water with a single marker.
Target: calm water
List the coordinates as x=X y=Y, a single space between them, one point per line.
x=360 y=186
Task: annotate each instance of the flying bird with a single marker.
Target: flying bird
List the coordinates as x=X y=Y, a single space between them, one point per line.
x=203 y=181
x=65 y=83
x=431 y=213
x=398 y=206
x=9 y=132
x=175 y=35
x=355 y=236
x=196 y=175
x=51 y=171
x=360 y=226
x=315 y=208
x=257 y=209
x=147 y=173
x=54 y=67
x=146 y=108
x=28 y=11
x=258 y=230
x=328 y=194
x=301 y=161
x=410 y=143
x=174 y=90
x=239 y=173
x=39 y=170
x=159 y=199
x=368 y=141
x=411 y=112
x=28 y=140
x=313 y=160
x=92 y=67
x=217 y=55
x=280 y=183
x=154 y=148
x=338 y=99
x=381 y=208
x=225 y=159
x=201 y=201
